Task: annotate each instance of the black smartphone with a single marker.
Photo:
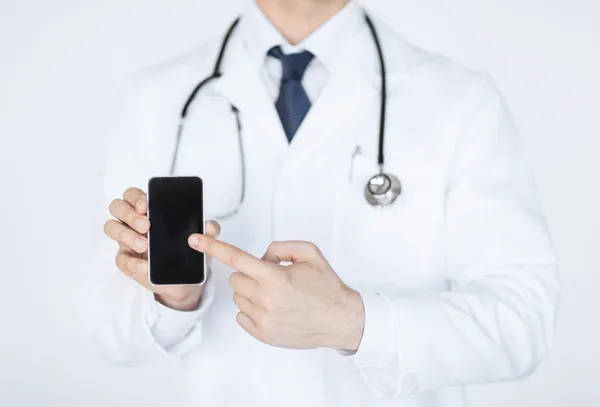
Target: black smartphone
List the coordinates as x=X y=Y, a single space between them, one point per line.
x=175 y=211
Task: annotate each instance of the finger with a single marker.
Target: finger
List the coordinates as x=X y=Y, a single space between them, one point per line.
x=230 y=255
x=291 y=251
x=246 y=323
x=244 y=285
x=126 y=236
x=137 y=199
x=133 y=267
x=212 y=229
x=124 y=212
x=125 y=248
x=255 y=312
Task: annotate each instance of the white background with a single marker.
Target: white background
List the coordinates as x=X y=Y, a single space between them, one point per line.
x=62 y=63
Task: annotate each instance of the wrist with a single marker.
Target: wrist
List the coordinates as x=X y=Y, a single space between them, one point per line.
x=185 y=301
x=349 y=326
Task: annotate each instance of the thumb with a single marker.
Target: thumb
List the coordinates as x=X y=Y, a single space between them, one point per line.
x=291 y=251
x=212 y=229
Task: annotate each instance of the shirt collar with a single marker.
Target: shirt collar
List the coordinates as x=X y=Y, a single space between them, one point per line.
x=260 y=35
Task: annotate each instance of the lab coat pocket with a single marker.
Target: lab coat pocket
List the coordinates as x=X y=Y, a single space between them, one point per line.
x=210 y=148
x=394 y=244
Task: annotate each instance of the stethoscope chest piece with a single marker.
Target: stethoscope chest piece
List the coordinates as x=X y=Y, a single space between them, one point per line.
x=382 y=189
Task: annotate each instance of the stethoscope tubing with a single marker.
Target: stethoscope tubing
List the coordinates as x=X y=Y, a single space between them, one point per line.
x=383 y=101
x=381 y=200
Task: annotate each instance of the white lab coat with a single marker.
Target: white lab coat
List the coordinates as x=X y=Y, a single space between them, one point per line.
x=458 y=277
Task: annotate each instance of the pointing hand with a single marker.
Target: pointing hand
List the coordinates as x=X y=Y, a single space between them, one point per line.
x=301 y=306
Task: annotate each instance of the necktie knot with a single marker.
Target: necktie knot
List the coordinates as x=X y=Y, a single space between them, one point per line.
x=293 y=65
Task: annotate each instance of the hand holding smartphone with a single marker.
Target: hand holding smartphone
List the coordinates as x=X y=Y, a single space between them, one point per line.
x=175 y=211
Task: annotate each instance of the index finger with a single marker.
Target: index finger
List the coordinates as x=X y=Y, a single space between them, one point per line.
x=136 y=198
x=229 y=254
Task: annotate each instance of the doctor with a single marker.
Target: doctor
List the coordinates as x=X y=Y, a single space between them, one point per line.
x=382 y=300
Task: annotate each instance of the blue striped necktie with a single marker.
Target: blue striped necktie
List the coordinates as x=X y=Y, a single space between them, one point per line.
x=292 y=103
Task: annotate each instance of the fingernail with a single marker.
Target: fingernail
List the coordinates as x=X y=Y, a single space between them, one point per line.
x=141 y=224
x=193 y=241
x=142 y=268
x=140 y=243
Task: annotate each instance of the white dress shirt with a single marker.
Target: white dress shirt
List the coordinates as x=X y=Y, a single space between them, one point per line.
x=321 y=43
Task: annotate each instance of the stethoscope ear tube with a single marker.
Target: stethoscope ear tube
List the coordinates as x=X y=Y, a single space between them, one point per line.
x=182 y=119
x=216 y=70
x=383 y=101
x=186 y=106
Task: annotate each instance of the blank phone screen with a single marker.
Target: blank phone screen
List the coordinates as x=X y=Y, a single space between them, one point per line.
x=175 y=212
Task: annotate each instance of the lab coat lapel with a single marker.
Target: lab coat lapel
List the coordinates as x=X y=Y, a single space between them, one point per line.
x=335 y=116
x=353 y=94
x=328 y=123
x=243 y=87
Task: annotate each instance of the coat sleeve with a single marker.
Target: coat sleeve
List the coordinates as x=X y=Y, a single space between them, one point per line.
x=496 y=322
x=119 y=315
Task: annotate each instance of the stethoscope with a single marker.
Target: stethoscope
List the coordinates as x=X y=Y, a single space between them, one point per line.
x=381 y=190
